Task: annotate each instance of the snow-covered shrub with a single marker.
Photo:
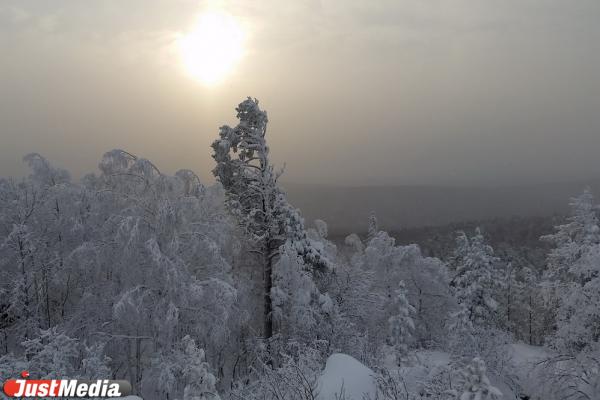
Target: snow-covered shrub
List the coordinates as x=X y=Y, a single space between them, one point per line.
x=390 y=385
x=570 y=376
x=53 y=355
x=295 y=377
x=474 y=383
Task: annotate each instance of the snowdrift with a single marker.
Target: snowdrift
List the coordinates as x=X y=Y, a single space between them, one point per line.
x=344 y=374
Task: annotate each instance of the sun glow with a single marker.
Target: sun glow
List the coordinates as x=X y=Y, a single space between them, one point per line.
x=212 y=48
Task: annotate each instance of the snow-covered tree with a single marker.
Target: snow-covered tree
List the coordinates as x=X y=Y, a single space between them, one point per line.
x=574 y=275
x=527 y=310
x=300 y=310
x=381 y=257
x=183 y=373
x=134 y=274
x=366 y=285
x=321 y=227
x=578 y=316
x=461 y=332
x=255 y=199
x=199 y=382
x=572 y=239
x=373 y=228
x=401 y=324
x=52 y=355
x=475 y=385
x=475 y=278
x=427 y=286
x=354 y=242
x=95 y=363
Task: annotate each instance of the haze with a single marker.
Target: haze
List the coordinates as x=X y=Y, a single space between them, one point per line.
x=358 y=92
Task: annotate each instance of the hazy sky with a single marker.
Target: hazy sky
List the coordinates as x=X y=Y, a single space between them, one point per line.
x=358 y=92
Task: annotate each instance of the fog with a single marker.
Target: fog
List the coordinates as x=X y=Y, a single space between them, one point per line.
x=448 y=93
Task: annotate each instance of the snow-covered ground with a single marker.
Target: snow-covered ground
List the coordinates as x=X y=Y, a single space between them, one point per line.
x=525 y=359
x=343 y=372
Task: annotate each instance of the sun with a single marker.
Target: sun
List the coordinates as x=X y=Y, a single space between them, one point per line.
x=212 y=48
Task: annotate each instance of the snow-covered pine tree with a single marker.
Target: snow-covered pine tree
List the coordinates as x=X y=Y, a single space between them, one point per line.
x=571 y=239
x=401 y=324
x=461 y=251
x=255 y=199
x=578 y=316
x=573 y=276
x=373 y=226
x=475 y=278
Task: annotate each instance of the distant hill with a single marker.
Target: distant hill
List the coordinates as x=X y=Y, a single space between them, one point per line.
x=346 y=209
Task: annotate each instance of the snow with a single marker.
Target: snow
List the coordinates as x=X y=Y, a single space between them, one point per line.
x=525 y=359
x=507 y=392
x=131 y=398
x=433 y=358
x=524 y=354
x=343 y=372
x=169 y=255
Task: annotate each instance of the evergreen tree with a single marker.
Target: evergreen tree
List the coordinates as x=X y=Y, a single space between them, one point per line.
x=572 y=239
x=578 y=316
x=574 y=275
x=373 y=226
x=401 y=324
x=255 y=199
x=475 y=278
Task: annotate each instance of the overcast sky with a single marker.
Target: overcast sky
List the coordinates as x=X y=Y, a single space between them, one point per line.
x=358 y=92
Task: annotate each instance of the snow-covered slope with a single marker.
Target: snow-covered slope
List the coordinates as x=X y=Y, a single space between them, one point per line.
x=344 y=374
x=521 y=372
x=525 y=359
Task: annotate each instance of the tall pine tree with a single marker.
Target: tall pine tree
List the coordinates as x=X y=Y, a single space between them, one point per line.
x=255 y=199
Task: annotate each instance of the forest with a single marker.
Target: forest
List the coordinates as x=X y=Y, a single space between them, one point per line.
x=199 y=291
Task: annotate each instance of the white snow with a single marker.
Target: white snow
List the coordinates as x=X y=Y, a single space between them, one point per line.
x=433 y=358
x=344 y=373
x=524 y=354
x=525 y=359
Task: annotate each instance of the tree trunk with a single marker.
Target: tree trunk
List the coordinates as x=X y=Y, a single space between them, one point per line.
x=268 y=280
x=530 y=319
x=508 y=304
